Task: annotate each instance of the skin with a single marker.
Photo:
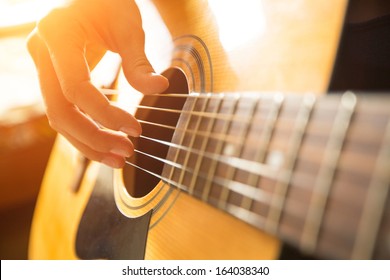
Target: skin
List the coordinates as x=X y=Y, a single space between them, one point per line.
x=66 y=44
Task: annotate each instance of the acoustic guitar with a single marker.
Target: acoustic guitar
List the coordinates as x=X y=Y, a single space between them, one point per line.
x=243 y=152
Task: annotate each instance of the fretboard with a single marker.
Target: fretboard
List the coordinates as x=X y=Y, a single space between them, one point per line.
x=314 y=171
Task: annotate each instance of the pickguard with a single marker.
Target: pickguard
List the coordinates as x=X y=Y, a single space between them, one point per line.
x=104 y=232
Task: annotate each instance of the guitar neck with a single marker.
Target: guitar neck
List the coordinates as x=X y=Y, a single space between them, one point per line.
x=313 y=171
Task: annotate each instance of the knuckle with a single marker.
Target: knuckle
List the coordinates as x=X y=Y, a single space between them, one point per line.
x=34 y=45
x=139 y=63
x=53 y=122
x=55 y=119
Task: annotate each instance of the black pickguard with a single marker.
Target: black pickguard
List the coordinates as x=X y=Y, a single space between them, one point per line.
x=104 y=232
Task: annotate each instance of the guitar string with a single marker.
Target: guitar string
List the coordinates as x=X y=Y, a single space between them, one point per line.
x=204 y=114
x=222 y=116
x=217 y=180
x=197 y=133
x=263 y=197
x=214 y=136
x=184 y=188
x=218 y=115
x=250 y=216
x=264 y=106
x=261 y=115
x=328 y=100
x=254 y=167
x=227 y=117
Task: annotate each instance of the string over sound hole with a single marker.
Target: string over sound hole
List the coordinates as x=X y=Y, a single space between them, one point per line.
x=158 y=115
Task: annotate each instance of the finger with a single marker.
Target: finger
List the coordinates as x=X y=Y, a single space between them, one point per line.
x=94 y=53
x=72 y=70
x=68 y=119
x=141 y=75
x=112 y=160
x=130 y=44
x=138 y=71
x=106 y=114
x=64 y=117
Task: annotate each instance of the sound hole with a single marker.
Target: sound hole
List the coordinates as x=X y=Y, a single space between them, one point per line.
x=159 y=127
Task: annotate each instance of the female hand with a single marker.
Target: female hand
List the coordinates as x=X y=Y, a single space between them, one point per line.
x=65 y=45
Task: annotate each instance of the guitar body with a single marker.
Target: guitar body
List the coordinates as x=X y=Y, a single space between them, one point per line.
x=85 y=210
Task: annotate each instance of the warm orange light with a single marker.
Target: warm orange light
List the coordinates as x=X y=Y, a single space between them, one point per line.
x=17 y=12
x=239 y=22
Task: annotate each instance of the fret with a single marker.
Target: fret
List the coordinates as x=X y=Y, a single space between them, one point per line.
x=265 y=139
x=206 y=134
x=283 y=182
x=179 y=137
x=246 y=215
x=375 y=203
x=231 y=172
x=204 y=103
x=218 y=149
x=321 y=189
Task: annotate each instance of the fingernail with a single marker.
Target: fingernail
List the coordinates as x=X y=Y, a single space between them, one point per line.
x=120 y=152
x=130 y=131
x=111 y=162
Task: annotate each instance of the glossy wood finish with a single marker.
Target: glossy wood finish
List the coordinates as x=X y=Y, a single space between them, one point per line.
x=271 y=46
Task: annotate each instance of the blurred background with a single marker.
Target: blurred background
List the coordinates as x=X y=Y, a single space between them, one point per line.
x=25 y=136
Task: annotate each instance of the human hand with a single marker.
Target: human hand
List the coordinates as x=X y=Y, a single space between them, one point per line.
x=65 y=45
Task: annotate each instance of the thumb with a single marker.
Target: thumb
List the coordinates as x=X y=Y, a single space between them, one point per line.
x=126 y=36
x=141 y=75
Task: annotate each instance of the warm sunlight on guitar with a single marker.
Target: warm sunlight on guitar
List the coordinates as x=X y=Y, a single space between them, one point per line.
x=243 y=153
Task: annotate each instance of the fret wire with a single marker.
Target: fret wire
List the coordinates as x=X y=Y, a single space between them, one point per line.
x=222 y=182
x=375 y=203
x=251 y=218
x=247 y=216
x=327 y=170
x=237 y=162
x=265 y=139
x=203 y=147
x=182 y=137
x=231 y=173
x=281 y=188
x=220 y=116
x=218 y=148
x=232 y=185
x=244 y=214
x=250 y=166
x=215 y=136
x=192 y=141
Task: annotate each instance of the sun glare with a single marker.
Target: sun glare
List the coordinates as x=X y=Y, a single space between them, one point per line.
x=238 y=21
x=17 y=12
